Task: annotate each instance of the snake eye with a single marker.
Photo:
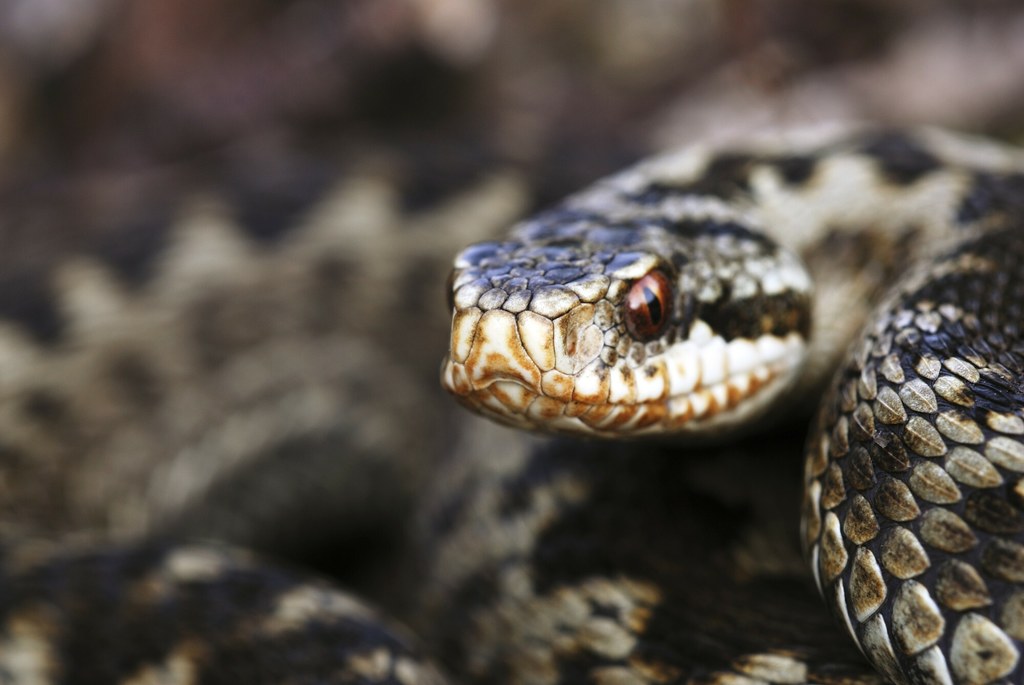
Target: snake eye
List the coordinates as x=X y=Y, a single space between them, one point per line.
x=647 y=306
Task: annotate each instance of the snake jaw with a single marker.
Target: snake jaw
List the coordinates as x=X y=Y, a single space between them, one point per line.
x=528 y=371
x=525 y=363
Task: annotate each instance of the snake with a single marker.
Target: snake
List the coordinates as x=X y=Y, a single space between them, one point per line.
x=201 y=394
x=668 y=308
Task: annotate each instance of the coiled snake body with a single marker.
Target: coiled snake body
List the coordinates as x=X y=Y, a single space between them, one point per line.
x=661 y=301
x=214 y=378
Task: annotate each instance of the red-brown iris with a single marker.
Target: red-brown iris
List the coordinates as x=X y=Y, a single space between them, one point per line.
x=648 y=305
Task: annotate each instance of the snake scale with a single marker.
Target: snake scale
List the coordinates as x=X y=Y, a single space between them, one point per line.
x=667 y=308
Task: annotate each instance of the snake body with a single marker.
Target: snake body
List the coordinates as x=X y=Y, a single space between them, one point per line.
x=661 y=301
x=234 y=371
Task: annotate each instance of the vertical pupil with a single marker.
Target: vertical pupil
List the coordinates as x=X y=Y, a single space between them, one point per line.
x=646 y=306
x=653 y=305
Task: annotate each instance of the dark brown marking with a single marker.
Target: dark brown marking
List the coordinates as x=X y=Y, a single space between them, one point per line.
x=779 y=315
x=992 y=193
x=136 y=379
x=133 y=250
x=888 y=452
x=269 y=200
x=796 y=169
x=29 y=302
x=861 y=474
x=902 y=159
x=725 y=176
x=42 y=406
x=992 y=513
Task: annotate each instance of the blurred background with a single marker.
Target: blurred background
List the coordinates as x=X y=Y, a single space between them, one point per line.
x=566 y=85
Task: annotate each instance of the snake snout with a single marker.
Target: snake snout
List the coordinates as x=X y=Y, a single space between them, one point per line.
x=517 y=358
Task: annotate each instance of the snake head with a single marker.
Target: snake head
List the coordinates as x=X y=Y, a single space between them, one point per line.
x=620 y=327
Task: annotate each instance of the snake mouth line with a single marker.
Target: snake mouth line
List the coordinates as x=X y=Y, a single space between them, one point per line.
x=558 y=407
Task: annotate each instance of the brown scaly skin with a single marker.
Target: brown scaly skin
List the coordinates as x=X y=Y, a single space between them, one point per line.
x=561 y=562
x=914 y=493
x=913 y=516
x=189 y=614
x=575 y=562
